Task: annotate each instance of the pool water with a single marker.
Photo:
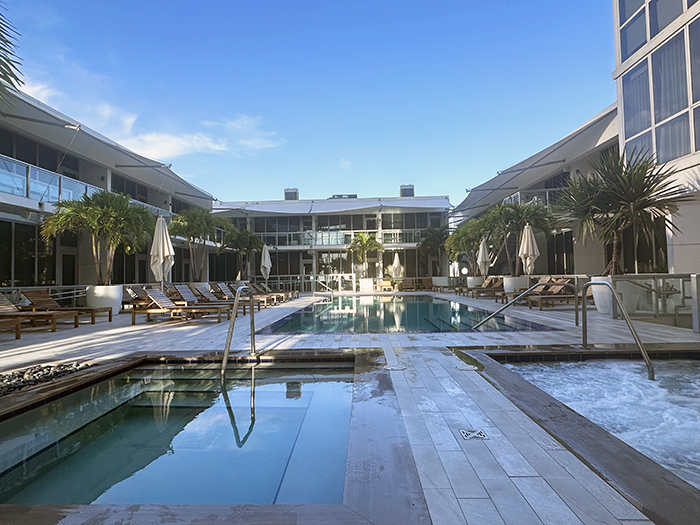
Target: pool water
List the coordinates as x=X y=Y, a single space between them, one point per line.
x=659 y=418
x=391 y=314
x=171 y=436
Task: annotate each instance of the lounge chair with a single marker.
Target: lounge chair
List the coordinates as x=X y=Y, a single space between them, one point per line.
x=408 y=285
x=224 y=291
x=207 y=297
x=495 y=288
x=385 y=286
x=277 y=297
x=266 y=299
x=161 y=304
x=9 y=311
x=288 y=296
x=41 y=300
x=137 y=296
x=543 y=283
x=555 y=293
x=13 y=323
x=466 y=290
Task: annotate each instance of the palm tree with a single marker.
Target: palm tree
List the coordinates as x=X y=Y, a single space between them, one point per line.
x=620 y=193
x=109 y=219
x=196 y=226
x=505 y=220
x=243 y=242
x=9 y=62
x=362 y=244
x=433 y=241
x=466 y=240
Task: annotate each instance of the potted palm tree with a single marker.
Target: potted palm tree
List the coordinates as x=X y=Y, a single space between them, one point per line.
x=110 y=221
x=197 y=226
x=361 y=245
x=620 y=193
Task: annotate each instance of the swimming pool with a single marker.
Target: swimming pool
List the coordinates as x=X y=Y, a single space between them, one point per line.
x=171 y=435
x=391 y=314
x=659 y=418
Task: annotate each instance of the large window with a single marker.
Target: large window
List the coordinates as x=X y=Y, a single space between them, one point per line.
x=673 y=139
x=633 y=35
x=628 y=8
x=670 y=80
x=662 y=13
x=640 y=144
x=694 y=34
x=636 y=103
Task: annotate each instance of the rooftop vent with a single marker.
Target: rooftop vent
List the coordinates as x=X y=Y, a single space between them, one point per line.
x=291 y=194
x=345 y=196
x=407 y=190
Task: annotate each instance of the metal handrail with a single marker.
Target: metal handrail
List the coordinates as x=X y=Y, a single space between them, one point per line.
x=527 y=292
x=649 y=287
x=625 y=315
x=327 y=287
x=232 y=417
x=232 y=324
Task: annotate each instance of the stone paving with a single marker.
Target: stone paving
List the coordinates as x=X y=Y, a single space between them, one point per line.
x=518 y=475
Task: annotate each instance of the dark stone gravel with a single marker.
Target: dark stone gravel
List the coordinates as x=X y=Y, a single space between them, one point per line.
x=34 y=375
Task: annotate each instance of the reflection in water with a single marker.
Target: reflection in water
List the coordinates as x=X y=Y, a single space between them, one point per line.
x=232 y=417
x=161 y=395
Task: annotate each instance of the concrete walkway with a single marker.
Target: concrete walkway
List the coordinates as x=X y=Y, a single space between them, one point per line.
x=515 y=473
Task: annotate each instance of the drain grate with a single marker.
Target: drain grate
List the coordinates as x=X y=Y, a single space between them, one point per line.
x=473 y=434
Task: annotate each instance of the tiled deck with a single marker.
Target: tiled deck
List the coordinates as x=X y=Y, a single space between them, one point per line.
x=519 y=475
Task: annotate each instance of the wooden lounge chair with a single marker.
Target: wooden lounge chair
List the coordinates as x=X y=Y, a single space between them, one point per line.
x=13 y=323
x=543 y=283
x=138 y=296
x=408 y=285
x=224 y=291
x=385 y=286
x=276 y=297
x=495 y=288
x=206 y=297
x=265 y=299
x=41 y=300
x=161 y=304
x=9 y=311
x=466 y=290
x=265 y=288
x=555 y=293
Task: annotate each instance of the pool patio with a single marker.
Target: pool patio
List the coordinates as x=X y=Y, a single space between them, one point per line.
x=518 y=474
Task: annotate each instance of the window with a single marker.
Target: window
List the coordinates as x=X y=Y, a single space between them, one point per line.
x=25 y=150
x=635 y=99
x=628 y=8
x=48 y=158
x=662 y=13
x=639 y=144
x=670 y=80
x=259 y=225
x=696 y=118
x=633 y=35
x=694 y=33
x=6 y=143
x=673 y=139
x=691 y=2
x=5 y=253
x=421 y=221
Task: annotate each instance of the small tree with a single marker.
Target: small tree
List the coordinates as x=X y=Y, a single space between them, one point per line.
x=196 y=226
x=466 y=240
x=620 y=193
x=362 y=244
x=109 y=219
x=433 y=240
x=243 y=242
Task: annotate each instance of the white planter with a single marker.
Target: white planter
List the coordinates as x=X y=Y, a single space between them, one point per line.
x=473 y=282
x=99 y=296
x=603 y=298
x=510 y=283
x=366 y=285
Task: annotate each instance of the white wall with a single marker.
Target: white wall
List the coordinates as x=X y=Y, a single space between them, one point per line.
x=684 y=248
x=589 y=258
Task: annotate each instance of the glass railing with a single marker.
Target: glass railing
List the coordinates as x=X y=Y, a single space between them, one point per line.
x=337 y=238
x=546 y=197
x=25 y=180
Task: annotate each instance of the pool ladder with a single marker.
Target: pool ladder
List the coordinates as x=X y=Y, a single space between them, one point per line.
x=232 y=324
x=584 y=317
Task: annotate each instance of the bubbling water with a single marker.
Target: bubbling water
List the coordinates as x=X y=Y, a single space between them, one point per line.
x=661 y=418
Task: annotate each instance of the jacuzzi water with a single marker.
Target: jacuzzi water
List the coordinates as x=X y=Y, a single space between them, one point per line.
x=659 y=418
x=391 y=314
x=169 y=435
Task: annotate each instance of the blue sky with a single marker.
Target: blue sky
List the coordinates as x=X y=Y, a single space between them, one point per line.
x=246 y=98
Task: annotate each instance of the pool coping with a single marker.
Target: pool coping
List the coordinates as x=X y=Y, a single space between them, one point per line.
x=660 y=494
x=381 y=478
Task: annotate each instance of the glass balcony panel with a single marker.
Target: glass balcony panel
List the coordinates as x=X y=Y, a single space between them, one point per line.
x=43 y=185
x=72 y=189
x=13 y=177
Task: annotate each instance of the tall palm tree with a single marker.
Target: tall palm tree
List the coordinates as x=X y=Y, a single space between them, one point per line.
x=362 y=244
x=620 y=193
x=196 y=226
x=109 y=219
x=9 y=62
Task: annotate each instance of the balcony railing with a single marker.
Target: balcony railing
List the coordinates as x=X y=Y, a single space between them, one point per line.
x=24 y=180
x=337 y=238
x=546 y=197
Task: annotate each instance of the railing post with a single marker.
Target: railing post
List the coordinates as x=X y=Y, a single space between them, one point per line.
x=695 y=304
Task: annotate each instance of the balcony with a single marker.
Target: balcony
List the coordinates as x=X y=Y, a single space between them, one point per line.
x=546 y=197
x=24 y=180
x=337 y=238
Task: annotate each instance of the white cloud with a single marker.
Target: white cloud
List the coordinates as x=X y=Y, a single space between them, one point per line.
x=167 y=146
x=345 y=164
x=39 y=91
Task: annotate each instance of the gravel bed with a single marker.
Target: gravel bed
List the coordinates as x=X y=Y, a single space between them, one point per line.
x=13 y=381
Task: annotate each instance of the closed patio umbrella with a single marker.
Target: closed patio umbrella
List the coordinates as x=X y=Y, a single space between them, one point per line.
x=266 y=262
x=396 y=268
x=483 y=260
x=162 y=252
x=528 y=251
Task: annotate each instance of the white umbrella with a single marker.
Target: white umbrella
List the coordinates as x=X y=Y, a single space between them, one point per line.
x=483 y=259
x=266 y=262
x=162 y=252
x=528 y=251
x=396 y=268
x=238 y=276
